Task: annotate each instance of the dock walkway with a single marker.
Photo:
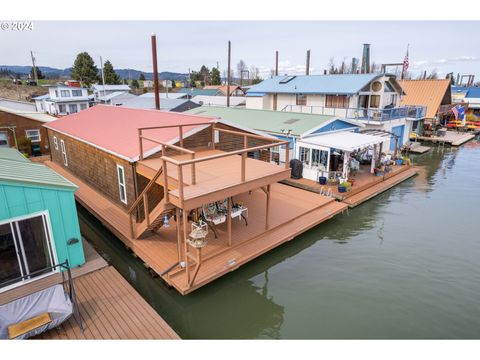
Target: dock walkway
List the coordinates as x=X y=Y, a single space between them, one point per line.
x=453 y=138
x=292 y=211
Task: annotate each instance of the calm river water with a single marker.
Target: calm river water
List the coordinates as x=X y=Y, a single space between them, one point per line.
x=402 y=265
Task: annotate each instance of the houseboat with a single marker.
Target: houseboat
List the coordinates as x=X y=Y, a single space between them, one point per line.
x=194 y=197
x=371 y=99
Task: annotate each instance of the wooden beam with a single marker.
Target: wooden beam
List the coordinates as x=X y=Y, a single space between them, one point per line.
x=213 y=136
x=140 y=143
x=180 y=135
x=267 y=212
x=165 y=145
x=185 y=245
x=194 y=175
x=165 y=182
x=145 y=208
x=245 y=141
x=287 y=156
x=179 y=234
x=173 y=126
x=244 y=158
x=199 y=262
x=180 y=184
x=229 y=220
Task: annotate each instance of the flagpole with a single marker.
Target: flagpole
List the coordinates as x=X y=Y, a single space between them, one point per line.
x=405 y=63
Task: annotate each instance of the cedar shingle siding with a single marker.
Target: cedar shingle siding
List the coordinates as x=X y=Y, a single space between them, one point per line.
x=97 y=168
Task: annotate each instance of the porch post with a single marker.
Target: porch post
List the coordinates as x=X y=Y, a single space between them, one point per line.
x=372 y=163
x=267 y=211
x=379 y=153
x=346 y=156
x=179 y=235
x=185 y=244
x=229 y=220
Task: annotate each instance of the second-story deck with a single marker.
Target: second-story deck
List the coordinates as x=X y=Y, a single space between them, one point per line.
x=363 y=114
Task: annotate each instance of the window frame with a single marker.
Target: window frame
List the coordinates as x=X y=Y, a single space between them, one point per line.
x=60 y=108
x=122 y=184
x=300 y=99
x=74 y=91
x=30 y=138
x=303 y=152
x=64 y=152
x=332 y=101
x=70 y=106
x=47 y=226
x=55 y=143
x=65 y=93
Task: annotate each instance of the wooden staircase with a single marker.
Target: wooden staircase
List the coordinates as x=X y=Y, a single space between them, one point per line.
x=154 y=219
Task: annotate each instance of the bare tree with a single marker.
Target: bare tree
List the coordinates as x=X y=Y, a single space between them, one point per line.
x=241 y=66
x=433 y=75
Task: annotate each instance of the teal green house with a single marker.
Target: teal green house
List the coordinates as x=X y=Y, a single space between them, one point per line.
x=38 y=221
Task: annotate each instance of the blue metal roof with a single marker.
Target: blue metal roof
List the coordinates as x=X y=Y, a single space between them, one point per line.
x=41 y=97
x=195 y=91
x=341 y=84
x=473 y=92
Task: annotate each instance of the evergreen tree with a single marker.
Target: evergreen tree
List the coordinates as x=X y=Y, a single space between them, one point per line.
x=84 y=69
x=141 y=77
x=39 y=73
x=215 y=77
x=111 y=77
x=135 y=84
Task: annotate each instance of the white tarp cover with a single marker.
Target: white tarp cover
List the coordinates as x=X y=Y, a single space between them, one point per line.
x=52 y=300
x=343 y=140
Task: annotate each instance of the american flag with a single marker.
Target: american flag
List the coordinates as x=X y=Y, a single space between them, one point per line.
x=455 y=112
x=405 y=62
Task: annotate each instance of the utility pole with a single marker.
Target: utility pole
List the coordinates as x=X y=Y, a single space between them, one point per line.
x=155 y=71
x=276 y=63
x=35 y=77
x=228 y=73
x=103 y=76
x=307 y=68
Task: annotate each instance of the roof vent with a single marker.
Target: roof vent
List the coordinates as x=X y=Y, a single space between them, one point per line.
x=287 y=79
x=291 y=121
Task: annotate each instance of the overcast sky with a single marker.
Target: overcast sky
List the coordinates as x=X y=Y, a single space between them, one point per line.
x=444 y=46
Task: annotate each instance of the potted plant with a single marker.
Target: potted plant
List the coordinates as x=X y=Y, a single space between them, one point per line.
x=24 y=145
x=407 y=161
x=399 y=161
x=322 y=180
x=344 y=187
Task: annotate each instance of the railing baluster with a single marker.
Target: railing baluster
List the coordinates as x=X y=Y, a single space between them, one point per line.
x=140 y=143
x=194 y=176
x=244 y=157
x=165 y=181
x=180 y=184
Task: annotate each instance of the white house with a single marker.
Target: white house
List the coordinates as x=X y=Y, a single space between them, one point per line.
x=371 y=99
x=100 y=90
x=63 y=100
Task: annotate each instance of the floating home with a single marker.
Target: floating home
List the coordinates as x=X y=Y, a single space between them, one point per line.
x=372 y=99
x=192 y=196
x=326 y=146
x=24 y=130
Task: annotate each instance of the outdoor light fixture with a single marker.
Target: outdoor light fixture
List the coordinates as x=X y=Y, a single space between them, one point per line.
x=166 y=223
x=72 y=241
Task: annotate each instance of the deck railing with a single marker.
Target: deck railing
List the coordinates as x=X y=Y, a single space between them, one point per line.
x=192 y=161
x=364 y=114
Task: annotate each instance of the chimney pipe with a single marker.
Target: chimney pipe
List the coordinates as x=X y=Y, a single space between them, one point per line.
x=307 y=69
x=366 y=59
x=228 y=73
x=276 y=63
x=324 y=71
x=155 y=71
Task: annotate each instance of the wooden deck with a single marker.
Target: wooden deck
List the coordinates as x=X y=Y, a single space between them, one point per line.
x=93 y=261
x=363 y=180
x=111 y=309
x=453 y=138
x=214 y=178
x=292 y=211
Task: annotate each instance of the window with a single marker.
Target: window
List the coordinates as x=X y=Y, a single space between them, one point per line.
x=319 y=158
x=374 y=101
x=336 y=101
x=64 y=153
x=73 y=108
x=76 y=92
x=304 y=155
x=216 y=136
x=122 y=189
x=83 y=106
x=27 y=249
x=56 y=93
x=62 y=108
x=55 y=142
x=300 y=99
x=3 y=138
x=65 y=93
x=33 y=135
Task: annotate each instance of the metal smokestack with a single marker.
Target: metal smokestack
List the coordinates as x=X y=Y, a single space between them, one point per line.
x=307 y=68
x=276 y=63
x=366 y=59
x=228 y=73
x=155 y=71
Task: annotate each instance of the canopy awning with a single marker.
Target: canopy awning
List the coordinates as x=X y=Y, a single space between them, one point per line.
x=343 y=140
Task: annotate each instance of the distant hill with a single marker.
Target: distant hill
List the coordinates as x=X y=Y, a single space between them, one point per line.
x=129 y=74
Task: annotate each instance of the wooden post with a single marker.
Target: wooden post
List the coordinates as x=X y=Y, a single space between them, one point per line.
x=132 y=232
x=180 y=135
x=287 y=155
x=180 y=183
x=244 y=157
x=379 y=154
x=372 y=163
x=228 y=73
x=155 y=71
x=229 y=220
x=213 y=136
x=140 y=143
x=185 y=245
x=179 y=234
x=267 y=212
x=194 y=176
x=145 y=208
x=165 y=182
x=245 y=141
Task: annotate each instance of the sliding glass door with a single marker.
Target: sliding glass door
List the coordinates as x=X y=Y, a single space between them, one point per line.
x=25 y=250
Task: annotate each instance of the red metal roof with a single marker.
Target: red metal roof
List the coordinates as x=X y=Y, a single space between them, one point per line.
x=115 y=129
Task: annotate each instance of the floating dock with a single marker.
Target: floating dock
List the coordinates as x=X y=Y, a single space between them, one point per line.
x=109 y=306
x=452 y=138
x=292 y=212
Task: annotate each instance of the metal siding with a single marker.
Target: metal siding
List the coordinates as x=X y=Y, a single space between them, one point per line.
x=18 y=201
